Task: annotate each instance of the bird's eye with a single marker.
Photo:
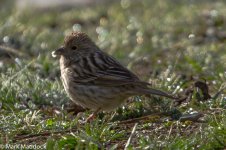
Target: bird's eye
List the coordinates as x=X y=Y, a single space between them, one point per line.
x=74 y=47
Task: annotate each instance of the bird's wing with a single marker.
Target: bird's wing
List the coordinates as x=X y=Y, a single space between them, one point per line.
x=115 y=76
x=108 y=72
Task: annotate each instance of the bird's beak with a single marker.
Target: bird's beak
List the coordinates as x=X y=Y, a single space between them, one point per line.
x=58 y=52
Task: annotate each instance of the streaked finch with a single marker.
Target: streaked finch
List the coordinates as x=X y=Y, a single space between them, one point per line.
x=95 y=80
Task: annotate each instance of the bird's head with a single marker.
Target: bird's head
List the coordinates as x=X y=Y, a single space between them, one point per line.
x=74 y=44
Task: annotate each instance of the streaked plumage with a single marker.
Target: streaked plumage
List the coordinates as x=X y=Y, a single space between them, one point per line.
x=95 y=80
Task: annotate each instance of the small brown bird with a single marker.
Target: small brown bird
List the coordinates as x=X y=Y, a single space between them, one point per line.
x=95 y=80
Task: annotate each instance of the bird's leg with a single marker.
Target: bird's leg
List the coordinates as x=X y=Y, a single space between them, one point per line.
x=92 y=116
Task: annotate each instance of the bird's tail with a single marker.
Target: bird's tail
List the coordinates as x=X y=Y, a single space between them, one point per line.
x=154 y=92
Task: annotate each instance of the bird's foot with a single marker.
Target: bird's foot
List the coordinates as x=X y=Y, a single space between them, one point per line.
x=90 y=118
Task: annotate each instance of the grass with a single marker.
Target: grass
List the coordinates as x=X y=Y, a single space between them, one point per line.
x=171 y=45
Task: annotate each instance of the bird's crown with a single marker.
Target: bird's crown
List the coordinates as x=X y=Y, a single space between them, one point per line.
x=76 y=37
